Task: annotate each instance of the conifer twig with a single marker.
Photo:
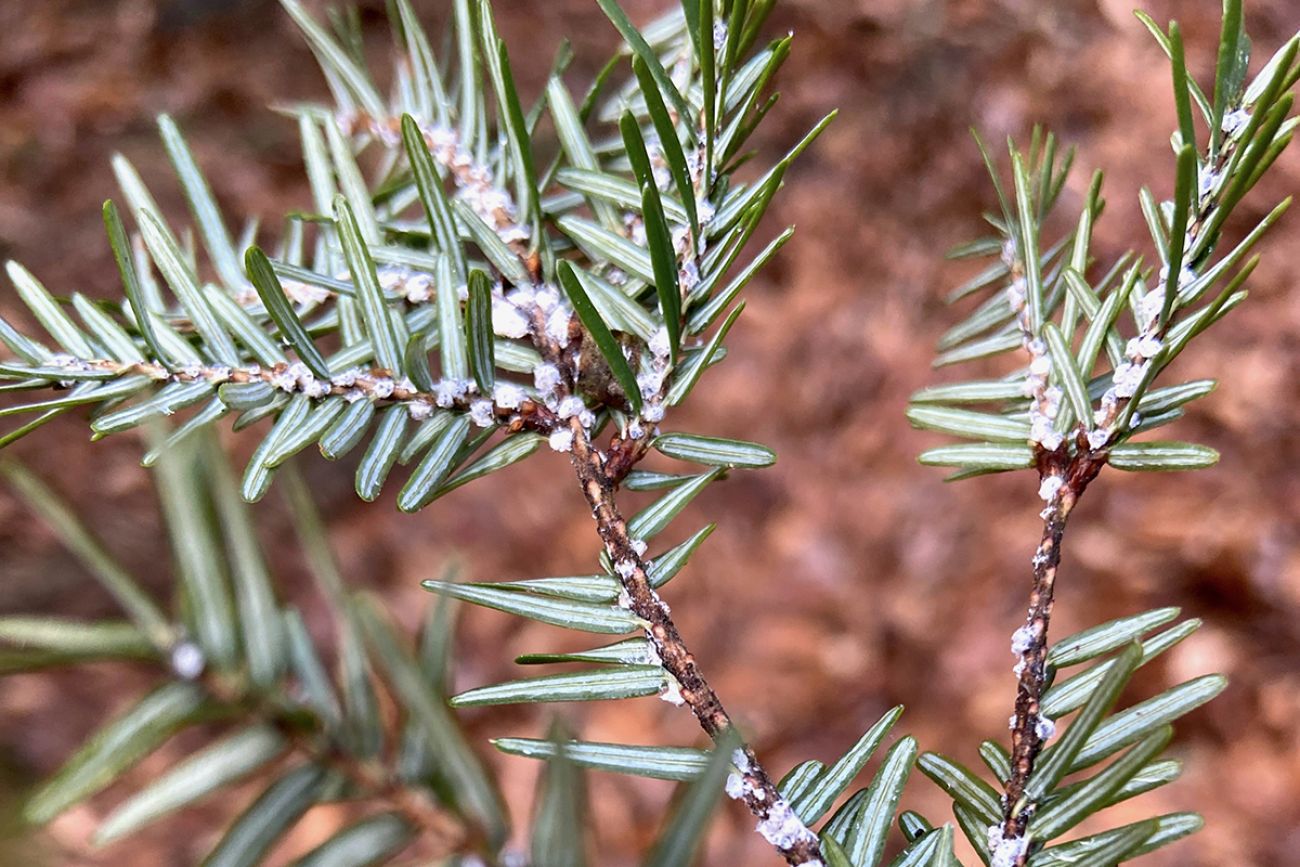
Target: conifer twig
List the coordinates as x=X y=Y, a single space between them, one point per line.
x=777 y=822
x=599 y=474
x=1029 y=730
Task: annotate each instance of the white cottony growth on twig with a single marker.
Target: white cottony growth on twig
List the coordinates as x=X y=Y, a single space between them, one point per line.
x=1044 y=728
x=507 y=395
x=672 y=691
x=561 y=440
x=557 y=326
x=481 y=413
x=476 y=185
x=507 y=319
x=448 y=391
x=720 y=35
x=1143 y=347
x=659 y=344
x=783 y=828
x=1043 y=432
x=573 y=406
x=1022 y=639
x=1005 y=851
x=546 y=378
x=1049 y=487
x=1235 y=121
x=1128 y=377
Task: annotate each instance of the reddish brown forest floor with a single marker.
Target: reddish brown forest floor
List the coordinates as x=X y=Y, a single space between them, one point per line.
x=840 y=582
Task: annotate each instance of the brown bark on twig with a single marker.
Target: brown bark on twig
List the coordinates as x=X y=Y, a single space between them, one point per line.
x=760 y=793
x=1026 y=739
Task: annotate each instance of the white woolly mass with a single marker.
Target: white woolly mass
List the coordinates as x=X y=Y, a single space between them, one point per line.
x=187 y=660
x=639 y=546
x=480 y=412
x=316 y=388
x=507 y=319
x=570 y=406
x=1016 y=294
x=547 y=298
x=1005 y=851
x=672 y=691
x=659 y=344
x=1235 y=121
x=1128 y=377
x=653 y=412
x=561 y=440
x=522 y=296
x=719 y=34
x=1042 y=432
x=1050 y=487
x=304 y=293
x=1022 y=639
x=704 y=209
x=1051 y=402
x=1209 y=181
x=546 y=377
x=507 y=395
x=1098 y=438
x=625 y=569
x=284 y=380
x=651 y=654
x=419 y=410
x=1044 y=728
x=418 y=288
x=514 y=232
x=689 y=276
x=382 y=387
x=783 y=828
x=650 y=379
x=1144 y=347
x=735 y=786
x=1153 y=302
x=557 y=326
x=448 y=391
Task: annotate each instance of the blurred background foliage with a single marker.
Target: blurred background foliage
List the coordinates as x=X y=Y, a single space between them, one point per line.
x=846 y=536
